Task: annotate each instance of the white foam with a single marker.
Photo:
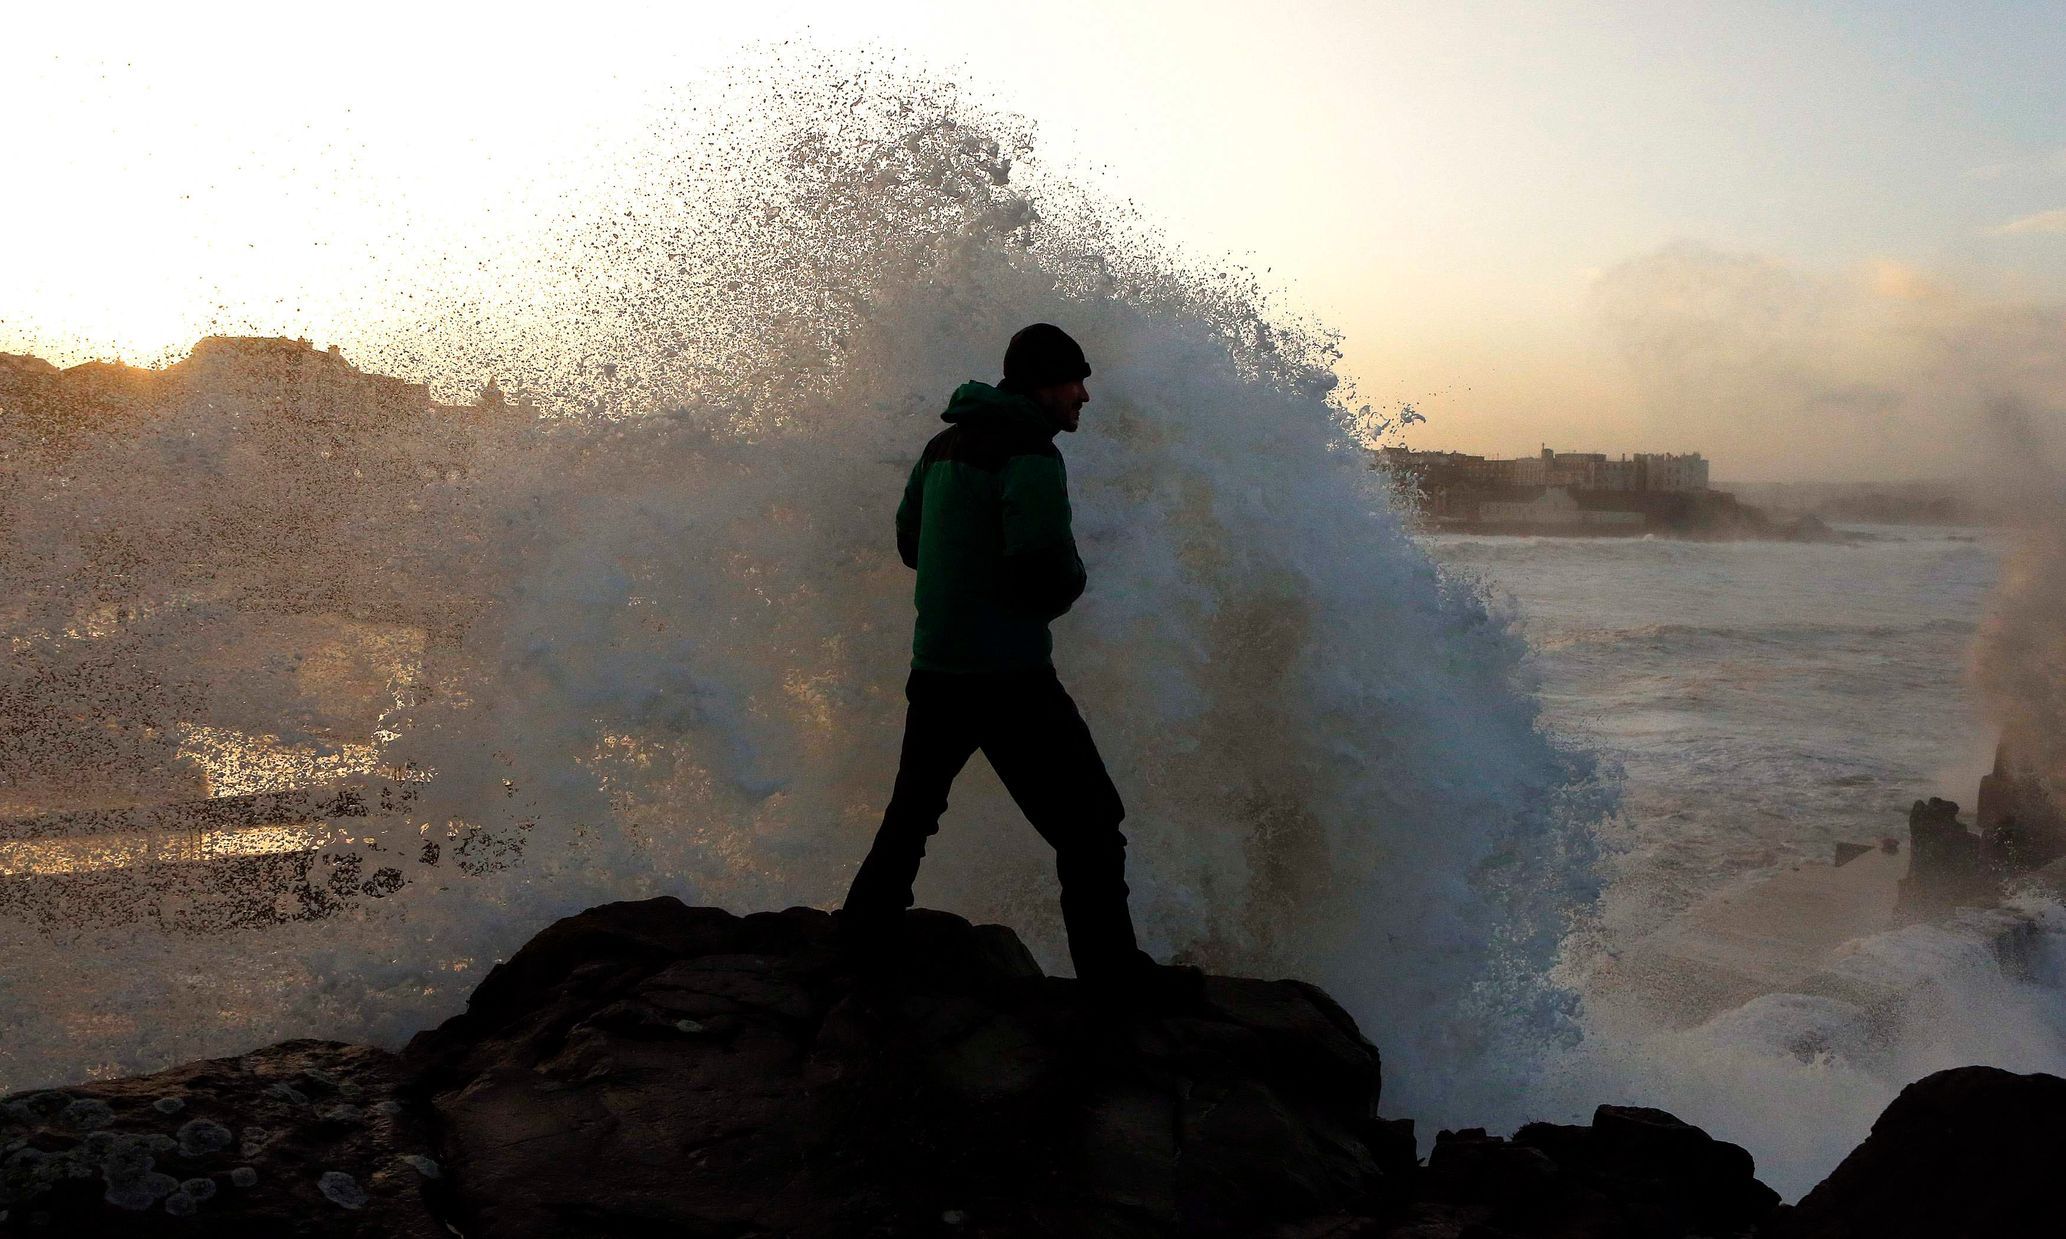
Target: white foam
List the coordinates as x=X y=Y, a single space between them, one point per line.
x=1799 y=1078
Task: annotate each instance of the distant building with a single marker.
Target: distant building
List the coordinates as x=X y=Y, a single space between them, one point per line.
x=1570 y=468
x=1654 y=472
x=1664 y=471
x=1617 y=475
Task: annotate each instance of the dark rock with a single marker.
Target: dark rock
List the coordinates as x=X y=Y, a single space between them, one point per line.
x=1471 y=1166
x=1945 y=866
x=1633 y=1174
x=111 y=1159
x=1972 y=1151
x=649 y=1068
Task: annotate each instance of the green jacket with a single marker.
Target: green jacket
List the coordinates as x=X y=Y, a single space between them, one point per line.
x=985 y=520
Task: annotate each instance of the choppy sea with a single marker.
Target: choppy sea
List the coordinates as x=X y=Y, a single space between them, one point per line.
x=1765 y=700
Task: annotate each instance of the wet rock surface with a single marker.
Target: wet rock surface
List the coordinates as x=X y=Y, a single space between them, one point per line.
x=227 y=1147
x=1970 y=1151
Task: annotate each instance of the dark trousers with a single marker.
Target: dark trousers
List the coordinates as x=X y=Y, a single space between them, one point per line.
x=1025 y=723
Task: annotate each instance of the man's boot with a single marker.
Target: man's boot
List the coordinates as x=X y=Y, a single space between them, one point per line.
x=1114 y=970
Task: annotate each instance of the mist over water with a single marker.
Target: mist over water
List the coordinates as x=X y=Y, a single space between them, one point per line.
x=632 y=624
x=2024 y=639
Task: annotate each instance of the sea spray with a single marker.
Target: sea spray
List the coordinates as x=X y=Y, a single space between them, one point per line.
x=1330 y=756
x=1799 y=1078
x=666 y=630
x=2019 y=660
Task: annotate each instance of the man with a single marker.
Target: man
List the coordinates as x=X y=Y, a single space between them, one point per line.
x=985 y=521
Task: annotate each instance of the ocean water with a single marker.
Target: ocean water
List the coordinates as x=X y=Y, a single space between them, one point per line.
x=1764 y=700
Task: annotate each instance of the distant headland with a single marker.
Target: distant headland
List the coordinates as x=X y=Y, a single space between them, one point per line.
x=1582 y=494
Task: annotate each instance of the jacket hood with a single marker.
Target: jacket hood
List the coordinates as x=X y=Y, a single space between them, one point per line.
x=975 y=402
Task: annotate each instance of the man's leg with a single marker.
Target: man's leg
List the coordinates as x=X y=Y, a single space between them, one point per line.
x=1042 y=751
x=938 y=738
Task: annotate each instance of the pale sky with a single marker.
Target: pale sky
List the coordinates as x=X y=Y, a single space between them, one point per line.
x=1614 y=227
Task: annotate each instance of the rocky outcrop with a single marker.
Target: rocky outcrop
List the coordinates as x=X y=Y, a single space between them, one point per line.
x=650 y=1068
x=303 y=1138
x=1971 y=1151
x=655 y=1069
x=1944 y=862
x=1634 y=1172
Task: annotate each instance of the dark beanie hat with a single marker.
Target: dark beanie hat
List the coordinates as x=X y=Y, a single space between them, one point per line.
x=1041 y=356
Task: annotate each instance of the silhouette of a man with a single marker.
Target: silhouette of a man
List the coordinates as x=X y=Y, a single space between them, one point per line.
x=985 y=521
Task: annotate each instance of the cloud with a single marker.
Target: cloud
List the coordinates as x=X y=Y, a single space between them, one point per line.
x=2043 y=221
x=1778 y=370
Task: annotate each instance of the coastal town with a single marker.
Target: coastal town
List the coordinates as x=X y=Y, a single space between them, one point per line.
x=1578 y=494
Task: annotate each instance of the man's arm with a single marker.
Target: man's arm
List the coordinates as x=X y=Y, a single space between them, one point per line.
x=1042 y=572
x=910 y=513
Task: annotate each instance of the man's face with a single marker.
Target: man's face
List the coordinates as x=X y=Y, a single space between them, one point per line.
x=1064 y=402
